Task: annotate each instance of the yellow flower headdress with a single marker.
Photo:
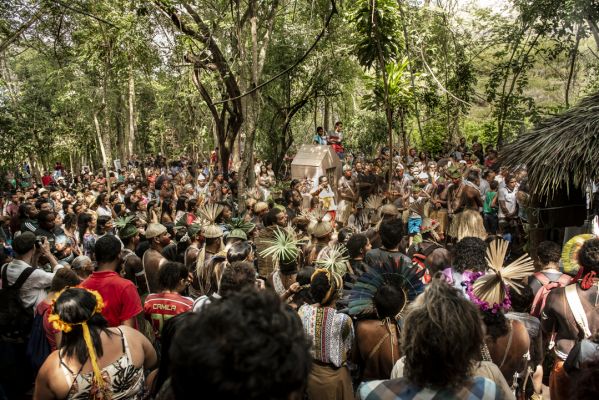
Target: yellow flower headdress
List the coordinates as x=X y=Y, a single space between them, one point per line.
x=66 y=327
x=335 y=282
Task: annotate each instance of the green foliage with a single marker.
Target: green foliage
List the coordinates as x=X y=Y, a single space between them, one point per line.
x=399 y=89
x=366 y=132
x=483 y=74
x=383 y=36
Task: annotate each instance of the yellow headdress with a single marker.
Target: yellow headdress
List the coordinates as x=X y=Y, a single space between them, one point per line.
x=67 y=327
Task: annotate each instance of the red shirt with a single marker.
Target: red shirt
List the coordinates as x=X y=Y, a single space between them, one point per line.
x=43 y=309
x=161 y=306
x=46 y=180
x=121 y=300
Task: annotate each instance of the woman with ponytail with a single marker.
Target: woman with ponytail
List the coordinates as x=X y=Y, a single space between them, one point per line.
x=93 y=361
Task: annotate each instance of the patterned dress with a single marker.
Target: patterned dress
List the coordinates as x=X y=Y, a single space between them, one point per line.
x=332 y=333
x=123 y=379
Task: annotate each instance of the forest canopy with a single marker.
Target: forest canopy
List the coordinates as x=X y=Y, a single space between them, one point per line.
x=90 y=82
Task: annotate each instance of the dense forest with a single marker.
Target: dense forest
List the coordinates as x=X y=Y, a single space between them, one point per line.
x=87 y=82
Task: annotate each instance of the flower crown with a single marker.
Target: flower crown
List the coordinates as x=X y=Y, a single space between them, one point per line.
x=66 y=327
x=506 y=304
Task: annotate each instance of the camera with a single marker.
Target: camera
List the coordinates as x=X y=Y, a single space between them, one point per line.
x=39 y=241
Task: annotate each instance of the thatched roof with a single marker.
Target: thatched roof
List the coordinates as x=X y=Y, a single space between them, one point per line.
x=560 y=151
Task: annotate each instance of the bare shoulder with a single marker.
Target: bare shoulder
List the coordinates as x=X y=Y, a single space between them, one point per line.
x=520 y=333
x=51 y=376
x=134 y=337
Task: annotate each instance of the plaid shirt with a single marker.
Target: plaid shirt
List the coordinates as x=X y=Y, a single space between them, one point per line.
x=480 y=389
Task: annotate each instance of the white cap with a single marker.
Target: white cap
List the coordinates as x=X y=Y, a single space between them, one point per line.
x=423 y=175
x=201 y=177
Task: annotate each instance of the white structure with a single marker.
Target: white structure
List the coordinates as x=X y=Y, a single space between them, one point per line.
x=313 y=161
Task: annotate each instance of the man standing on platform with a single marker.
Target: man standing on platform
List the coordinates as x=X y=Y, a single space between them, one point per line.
x=335 y=139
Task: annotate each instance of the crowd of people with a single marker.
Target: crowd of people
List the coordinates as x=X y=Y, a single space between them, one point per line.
x=159 y=280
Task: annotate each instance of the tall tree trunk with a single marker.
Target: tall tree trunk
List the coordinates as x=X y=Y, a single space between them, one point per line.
x=120 y=126
x=132 y=124
x=411 y=70
x=402 y=127
x=99 y=137
x=388 y=111
x=594 y=30
x=573 y=54
x=327 y=115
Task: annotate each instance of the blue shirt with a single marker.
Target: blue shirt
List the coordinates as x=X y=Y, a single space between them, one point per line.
x=319 y=139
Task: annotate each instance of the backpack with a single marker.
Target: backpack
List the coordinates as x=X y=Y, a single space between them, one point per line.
x=538 y=303
x=38 y=347
x=15 y=319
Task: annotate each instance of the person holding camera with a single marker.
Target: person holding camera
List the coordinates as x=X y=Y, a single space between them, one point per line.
x=16 y=321
x=29 y=250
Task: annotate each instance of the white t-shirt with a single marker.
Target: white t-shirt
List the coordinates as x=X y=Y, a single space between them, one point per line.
x=509 y=197
x=103 y=212
x=327 y=198
x=34 y=290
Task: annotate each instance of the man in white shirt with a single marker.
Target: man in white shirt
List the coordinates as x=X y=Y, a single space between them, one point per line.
x=33 y=290
x=508 y=208
x=485 y=183
x=325 y=195
x=202 y=187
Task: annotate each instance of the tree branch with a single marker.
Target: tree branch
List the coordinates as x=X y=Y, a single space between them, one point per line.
x=298 y=62
x=14 y=36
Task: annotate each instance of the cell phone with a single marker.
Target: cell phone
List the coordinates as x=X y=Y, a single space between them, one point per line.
x=39 y=241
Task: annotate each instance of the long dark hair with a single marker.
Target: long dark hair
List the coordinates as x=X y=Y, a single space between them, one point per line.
x=73 y=306
x=181 y=204
x=100 y=199
x=70 y=220
x=83 y=222
x=101 y=225
x=166 y=208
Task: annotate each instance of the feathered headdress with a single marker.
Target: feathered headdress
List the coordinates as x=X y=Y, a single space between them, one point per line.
x=491 y=291
x=284 y=247
x=209 y=213
x=397 y=273
x=320 y=222
x=334 y=258
x=417 y=207
x=374 y=202
x=253 y=194
x=240 y=228
x=126 y=227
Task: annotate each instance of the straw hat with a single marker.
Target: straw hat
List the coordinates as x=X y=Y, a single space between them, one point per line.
x=209 y=213
x=154 y=230
x=260 y=206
